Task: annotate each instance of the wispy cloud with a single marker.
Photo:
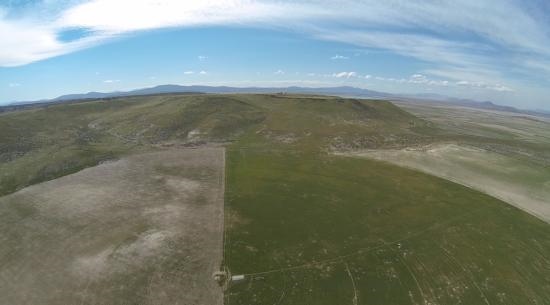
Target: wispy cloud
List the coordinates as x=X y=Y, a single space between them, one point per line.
x=495 y=87
x=111 y=81
x=188 y=72
x=454 y=37
x=279 y=72
x=36 y=38
x=13 y=85
x=202 y=57
x=420 y=79
x=32 y=38
x=339 y=57
x=203 y=72
x=345 y=74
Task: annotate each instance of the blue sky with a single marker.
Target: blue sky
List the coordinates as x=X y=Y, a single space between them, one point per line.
x=495 y=50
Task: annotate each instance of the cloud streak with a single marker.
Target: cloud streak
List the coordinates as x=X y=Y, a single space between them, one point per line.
x=339 y=57
x=457 y=38
x=345 y=75
x=420 y=80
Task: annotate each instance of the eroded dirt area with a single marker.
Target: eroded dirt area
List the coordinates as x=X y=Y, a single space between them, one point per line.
x=147 y=229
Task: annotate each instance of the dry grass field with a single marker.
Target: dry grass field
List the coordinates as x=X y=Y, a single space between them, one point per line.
x=145 y=229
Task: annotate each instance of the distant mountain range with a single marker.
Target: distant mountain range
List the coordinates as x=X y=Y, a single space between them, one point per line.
x=487 y=105
x=344 y=91
x=164 y=89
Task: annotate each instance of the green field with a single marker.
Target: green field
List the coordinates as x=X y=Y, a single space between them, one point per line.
x=303 y=224
x=309 y=228
x=520 y=182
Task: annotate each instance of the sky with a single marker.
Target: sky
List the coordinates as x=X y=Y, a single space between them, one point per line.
x=497 y=50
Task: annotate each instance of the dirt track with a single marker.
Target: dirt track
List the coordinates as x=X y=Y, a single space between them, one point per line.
x=142 y=230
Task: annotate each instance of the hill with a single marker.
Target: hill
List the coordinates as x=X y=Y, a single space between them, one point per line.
x=40 y=144
x=343 y=91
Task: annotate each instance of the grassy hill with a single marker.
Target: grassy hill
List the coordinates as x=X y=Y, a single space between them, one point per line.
x=40 y=144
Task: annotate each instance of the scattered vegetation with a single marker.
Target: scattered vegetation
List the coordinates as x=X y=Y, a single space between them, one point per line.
x=44 y=143
x=304 y=225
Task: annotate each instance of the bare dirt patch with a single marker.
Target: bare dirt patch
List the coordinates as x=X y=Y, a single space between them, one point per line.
x=147 y=229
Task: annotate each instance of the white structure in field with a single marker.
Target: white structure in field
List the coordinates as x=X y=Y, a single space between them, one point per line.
x=237 y=278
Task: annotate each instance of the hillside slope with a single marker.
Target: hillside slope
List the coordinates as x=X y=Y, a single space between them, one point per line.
x=44 y=143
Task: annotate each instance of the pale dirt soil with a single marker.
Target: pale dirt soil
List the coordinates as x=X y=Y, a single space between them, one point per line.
x=520 y=183
x=147 y=229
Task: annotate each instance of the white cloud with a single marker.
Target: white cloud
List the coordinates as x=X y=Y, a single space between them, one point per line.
x=203 y=73
x=13 y=85
x=189 y=72
x=105 y=15
x=111 y=81
x=426 y=82
x=422 y=79
x=23 y=42
x=478 y=74
x=499 y=87
x=345 y=74
x=418 y=79
x=482 y=85
x=33 y=38
x=338 y=57
x=419 y=46
x=279 y=72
